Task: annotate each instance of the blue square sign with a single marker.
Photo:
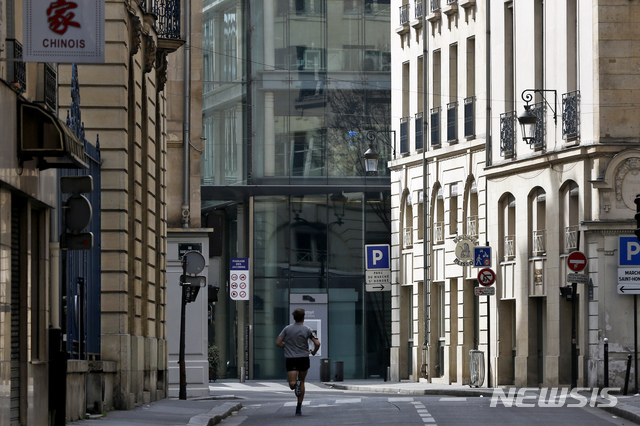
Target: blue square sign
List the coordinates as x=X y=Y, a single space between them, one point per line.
x=377 y=256
x=481 y=257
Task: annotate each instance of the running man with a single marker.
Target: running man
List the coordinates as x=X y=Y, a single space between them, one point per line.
x=294 y=338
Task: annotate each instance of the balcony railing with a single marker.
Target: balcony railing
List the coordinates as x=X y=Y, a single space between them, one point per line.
x=168 y=17
x=469 y=112
x=407 y=237
x=570 y=238
x=418 y=9
x=507 y=134
x=16 y=70
x=404 y=135
x=435 y=126
x=452 y=1
x=539 y=242
x=50 y=87
x=435 y=5
x=509 y=247
x=538 y=109
x=419 y=133
x=438 y=233
x=452 y=122
x=571 y=115
x=472 y=226
x=404 y=14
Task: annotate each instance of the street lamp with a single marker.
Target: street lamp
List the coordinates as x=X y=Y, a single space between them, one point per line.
x=528 y=119
x=371 y=156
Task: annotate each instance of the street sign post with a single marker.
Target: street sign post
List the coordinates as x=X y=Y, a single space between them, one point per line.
x=628 y=289
x=482 y=257
x=577 y=278
x=486 y=277
x=378 y=271
x=484 y=291
x=576 y=261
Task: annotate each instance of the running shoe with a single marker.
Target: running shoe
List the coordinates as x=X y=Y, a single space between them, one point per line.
x=297 y=389
x=298 y=412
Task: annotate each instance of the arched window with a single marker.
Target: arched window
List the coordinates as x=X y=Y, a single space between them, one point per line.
x=537 y=222
x=569 y=215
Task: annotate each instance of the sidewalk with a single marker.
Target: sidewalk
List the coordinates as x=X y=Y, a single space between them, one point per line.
x=212 y=410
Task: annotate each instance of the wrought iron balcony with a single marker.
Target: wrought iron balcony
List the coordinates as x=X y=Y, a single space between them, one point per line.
x=435 y=127
x=539 y=242
x=469 y=117
x=538 y=109
x=472 y=226
x=452 y=122
x=168 y=13
x=570 y=238
x=16 y=70
x=419 y=130
x=438 y=232
x=404 y=135
x=418 y=9
x=50 y=87
x=507 y=134
x=404 y=14
x=435 y=5
x=509 y=247
x=407 y=237
x=571 y=115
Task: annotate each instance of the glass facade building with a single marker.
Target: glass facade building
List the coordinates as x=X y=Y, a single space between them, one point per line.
x=294 y=92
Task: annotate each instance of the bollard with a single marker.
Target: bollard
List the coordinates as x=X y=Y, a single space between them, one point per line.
x=626 y=377
x=606 y=362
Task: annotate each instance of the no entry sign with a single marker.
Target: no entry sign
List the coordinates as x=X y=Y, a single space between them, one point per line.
x=577 y=261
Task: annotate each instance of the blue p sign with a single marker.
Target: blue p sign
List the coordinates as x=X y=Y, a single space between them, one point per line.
x=377 y=256
x=629 y=251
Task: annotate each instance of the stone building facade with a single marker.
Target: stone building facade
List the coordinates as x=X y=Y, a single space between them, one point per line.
x=570 y=187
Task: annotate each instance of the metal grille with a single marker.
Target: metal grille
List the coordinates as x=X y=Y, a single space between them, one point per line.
x=507 y=134
x=418 y=9
x=539 y=110
x=15 y=315
x=418 y=131
x=571 y=115
x=435 y=5
x=435 y=126
x=404 y=14
x=469 y=122
x=168 y=23
x=17 y=73
x=538 y=242
x=452 y=121
x=404 y=135
x=50 y=87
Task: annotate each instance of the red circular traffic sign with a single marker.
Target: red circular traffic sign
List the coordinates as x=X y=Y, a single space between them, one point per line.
x=577 y=261
x=486 y=277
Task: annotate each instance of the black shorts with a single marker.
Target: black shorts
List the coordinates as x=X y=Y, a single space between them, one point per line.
x=298 y=364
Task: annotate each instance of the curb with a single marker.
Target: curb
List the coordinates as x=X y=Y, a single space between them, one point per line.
x=216 y=415
x=450 y=392
x=624 y=411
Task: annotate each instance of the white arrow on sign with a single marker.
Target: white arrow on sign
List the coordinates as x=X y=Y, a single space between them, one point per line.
x=378 y=287
x=628 y=289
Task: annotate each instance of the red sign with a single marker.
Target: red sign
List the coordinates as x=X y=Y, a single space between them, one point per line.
x=486 y=277
x=577 y=261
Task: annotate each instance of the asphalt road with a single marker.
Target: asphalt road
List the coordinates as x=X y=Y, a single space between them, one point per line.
x=274 y=404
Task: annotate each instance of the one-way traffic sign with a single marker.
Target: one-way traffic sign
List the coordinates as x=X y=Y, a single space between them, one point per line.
x=628 y=289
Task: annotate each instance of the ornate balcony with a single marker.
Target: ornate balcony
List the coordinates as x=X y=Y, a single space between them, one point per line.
x=438 y=232
x=509 y=247
x=571 y=115
x=539 y=242
x=570 y=238
x=407 y=237
x=472 y=226
x=507 y=134
x=167 y=23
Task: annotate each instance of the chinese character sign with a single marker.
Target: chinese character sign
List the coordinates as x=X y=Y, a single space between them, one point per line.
x=64 y=31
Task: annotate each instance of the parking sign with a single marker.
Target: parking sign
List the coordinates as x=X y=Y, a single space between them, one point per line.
x=629 y=252
x=377 y=256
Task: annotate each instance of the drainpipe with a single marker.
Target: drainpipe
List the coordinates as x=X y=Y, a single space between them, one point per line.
x=486 y=190
x=186 y=123
x=426 y=229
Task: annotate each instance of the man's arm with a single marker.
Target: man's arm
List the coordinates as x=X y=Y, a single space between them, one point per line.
x=316 y=342
x=280 y=342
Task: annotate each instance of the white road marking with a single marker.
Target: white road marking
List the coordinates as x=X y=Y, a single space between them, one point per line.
x=349 y=401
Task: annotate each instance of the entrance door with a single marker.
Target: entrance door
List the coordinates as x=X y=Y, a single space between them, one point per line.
x=316 y=315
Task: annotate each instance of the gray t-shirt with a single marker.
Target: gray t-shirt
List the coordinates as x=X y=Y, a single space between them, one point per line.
x=296 y=340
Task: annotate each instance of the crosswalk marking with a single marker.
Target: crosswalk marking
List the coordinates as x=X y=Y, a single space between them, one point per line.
x=349 y=401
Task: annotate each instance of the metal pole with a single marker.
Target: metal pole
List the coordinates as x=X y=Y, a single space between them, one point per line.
x=183 y=371
x=606 y=362
x=574 y=348
x=635 y=341
x=626 y=377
